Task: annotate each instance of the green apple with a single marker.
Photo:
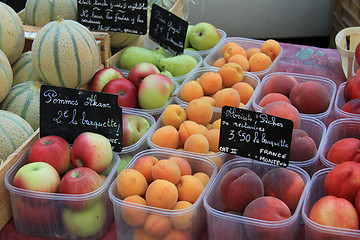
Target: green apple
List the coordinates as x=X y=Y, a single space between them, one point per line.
x=124 y=160
x=187 y=40
x=167 y=73
x=204 y=36
x=87 y=222
x=134 y=127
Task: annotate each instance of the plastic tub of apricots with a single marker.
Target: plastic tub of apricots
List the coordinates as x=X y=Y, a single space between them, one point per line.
x=160 y=195
x=298 y=90
x=59 y=215
x=343 y=108
x=263 y=203
x=177 y=70
x=341 y=142
x=322 y=207
x=206 y=82
x=263 y=63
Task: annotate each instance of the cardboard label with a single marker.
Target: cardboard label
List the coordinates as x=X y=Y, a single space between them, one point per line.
x=67 y=112
x=255 y=135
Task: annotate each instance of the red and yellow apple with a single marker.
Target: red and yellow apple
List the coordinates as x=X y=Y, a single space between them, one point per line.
x=126 y=91
x=134 y=127
x=141 y=70
x=103 y=76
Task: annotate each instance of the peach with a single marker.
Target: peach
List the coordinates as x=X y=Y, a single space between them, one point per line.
x=245 y=91
x=346 y=149
x=184 y=165
x=183 y=220
x=131 y=215
x=166 y=136
x=343 y=181
x=157 y=226
x=241 y=60
x=352 y=88
x=176 y=234
x=238 y=187
x=211 y=82
x=310 y=97
x=271 y=48
x=283 y=110
x=167 y=170
x=303 y=147
x=189 y=188
x=352 y=106
x=174 y=115
x=279 y=83
x=144 y=165
x=273 y=97
x=191 y=90
x=284 y=184
x=227 y=96
x=213 y=137
x=187 y=129
x=259 y=62
x=231 y=73
x=131 y=182
x=139 y=234
x=197 y=143
x=357 y=202
x=199 y=111
x=203 y=177
x=162 y=194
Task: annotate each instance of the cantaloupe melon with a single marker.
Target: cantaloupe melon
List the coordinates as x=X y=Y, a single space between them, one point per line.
x=23 y=70
x=12 y=38
x=64 y=53
x=24 y=100
x=6 y=76
x=40 y=12
x=13 y=132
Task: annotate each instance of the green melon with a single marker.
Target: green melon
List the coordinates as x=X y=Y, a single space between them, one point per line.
x=64 y=53
x=6 y=76
x=23 y=70
x=13 y=132
x=24 y=100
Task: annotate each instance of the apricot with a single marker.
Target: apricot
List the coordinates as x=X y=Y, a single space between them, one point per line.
x=167 y=170
x=241 y=60
x=233 y=50
x=209 y=99
x=197 y=143
x=273 y=97
x=174 y=115
x=228 y=44
x=216 y=124
x=210 y=82
x=213 y=137
x=231 y=73
x=166 y=136
x=185 y=168
x=157 y=226
x=131 y=215
x=187 y=129
x=191 y=90
x=227 y=96
x=271 y=48
x=310 y=97
x=352 y=88
x=245 y=91
x=203 y=129
x=238 y=187
x=284 y=184
x=252 y=51
x=176 y=234
x=259 y=62
x=199 y=111
x=131 y=182
x=352 y=106
x=217 y=159
x=162 y=194
x=279 y=83
x=184 y=220
x=219 y=62
x=144 y=165
x=140 y=234
x=189 y=188
x=343 y=150
x=203 y=177
x=283 y=110
x=303 y=147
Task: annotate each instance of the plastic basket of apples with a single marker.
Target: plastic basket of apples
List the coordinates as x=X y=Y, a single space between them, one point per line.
x=60 y=191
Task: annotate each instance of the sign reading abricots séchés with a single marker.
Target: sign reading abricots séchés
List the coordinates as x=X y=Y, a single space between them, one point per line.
x=167 y=29
x=255 y=135
x=114 y=15
x=67 y=112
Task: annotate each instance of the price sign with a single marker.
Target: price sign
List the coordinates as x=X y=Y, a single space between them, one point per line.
x=114 y=15
x=67 y=112
x=255 y=135
x=167 y=29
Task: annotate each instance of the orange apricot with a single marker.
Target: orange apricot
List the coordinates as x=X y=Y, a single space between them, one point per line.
x=167 y=170
x=197 y=143
x=210 y=82
x=162 y=194
x=259 y=62
x=191 y=90
x=188 y=128
x=228 y=44
x=219 y=62
x=232 y=50
x=166 y=136
x=209 y=99
x=213 y=136
x=140 y=234
x=227 y=96
x=203 y=177
x=131 y=215
x=245 y=91
x=252 y=51
x=131 y=182
x=185 y=220
x=157 y=225
x=199 y=111
x=216 y=124
x=271 y=48
x=189 y=188
x=183 y=164
x=231 y=73
x=144 y=164
x=241 y=60
x=174 y=115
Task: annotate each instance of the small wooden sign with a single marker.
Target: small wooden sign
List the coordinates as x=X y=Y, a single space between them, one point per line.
x=255 y=135
x=114 y=15
x=167 y=29
x=67 y=112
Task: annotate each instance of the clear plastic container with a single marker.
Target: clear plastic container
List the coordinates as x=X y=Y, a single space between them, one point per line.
x=327 y=83
x=226 y=225
x=355 y=66
x=177 y=79
x=340 y=102
x=337 y=130
x=43 y=214
x=194 y=217
x=203 y=53
x=245 y=43
x=313 y=230
x=250 y=78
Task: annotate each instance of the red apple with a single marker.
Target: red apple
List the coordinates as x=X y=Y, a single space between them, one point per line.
x=134 y=127
x=126 y=91
x=357 y=53
x=352 y=88
x=91 y=150
x=51 y=149
x=103 y=76
x=141 y=70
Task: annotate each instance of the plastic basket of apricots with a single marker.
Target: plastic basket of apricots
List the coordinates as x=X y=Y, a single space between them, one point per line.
x=256 y=56
x=159 y=195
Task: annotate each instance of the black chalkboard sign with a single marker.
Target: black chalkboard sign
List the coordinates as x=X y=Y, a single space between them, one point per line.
x=67 y=112
x=167 y=29
x=114 y=15
x=255 y=135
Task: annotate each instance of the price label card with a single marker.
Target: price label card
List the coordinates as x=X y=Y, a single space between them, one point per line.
x=67 y=112
x=255 y=135
x=167 y=29
x=114 y=15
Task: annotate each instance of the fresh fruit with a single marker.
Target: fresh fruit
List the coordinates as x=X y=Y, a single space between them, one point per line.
x=271 y=48
x=352 y=88
x=178 y=65
x=51 y=149
x=6 y=75
x=134 y=127
x=135 y=54
x=279 y=83
x=203 y=36
x=357 y=53
x=174 y=115
x=140 y=71
x=126 y=91
x=162 y=194
x=144 y=165
x=23 y=70
x=131 y=182
x=103 y=76
x=167 y=170
x=259 y=62
x=283 y=110
x=343 y=150
x=120 y=39
x=133 y=217
x=303 y=147
x=352 y=106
